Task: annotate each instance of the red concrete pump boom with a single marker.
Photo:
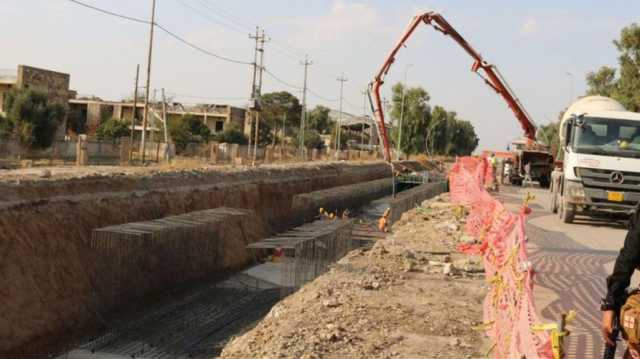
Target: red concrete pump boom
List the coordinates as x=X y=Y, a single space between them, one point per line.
x=490 y=75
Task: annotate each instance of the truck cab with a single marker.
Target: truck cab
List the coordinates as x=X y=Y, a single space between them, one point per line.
x=600 y=147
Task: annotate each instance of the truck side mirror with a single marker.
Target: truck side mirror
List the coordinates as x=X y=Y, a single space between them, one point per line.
x=567 y=132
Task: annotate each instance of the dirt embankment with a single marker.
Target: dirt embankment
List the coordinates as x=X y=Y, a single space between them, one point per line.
x=48 y=271
x=411 y=296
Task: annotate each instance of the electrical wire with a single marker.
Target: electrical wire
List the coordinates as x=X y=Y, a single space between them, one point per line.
x=196 y=47
x=164 y=29
x=285 y=49
x=110 y=12
x=179 y=95
x=322 y=97
x=205 y=16
x=280 y=80
x=204 y=51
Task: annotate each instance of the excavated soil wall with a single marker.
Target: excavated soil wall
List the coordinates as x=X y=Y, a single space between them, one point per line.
x=48 y=272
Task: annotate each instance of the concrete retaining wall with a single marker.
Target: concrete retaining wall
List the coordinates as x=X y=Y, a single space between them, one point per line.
x=337 y=199
x=406 y=200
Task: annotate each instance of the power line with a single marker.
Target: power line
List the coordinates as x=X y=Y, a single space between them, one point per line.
x=179 y=95
x=225 y=14
x=322 y=97
x=196 y=47
x=209 y=18
x=272 y=75
x=164 y=29
x=141 y=21
x=285 y=49
x=350 y=103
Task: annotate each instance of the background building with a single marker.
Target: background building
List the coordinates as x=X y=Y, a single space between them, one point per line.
x=54 y=84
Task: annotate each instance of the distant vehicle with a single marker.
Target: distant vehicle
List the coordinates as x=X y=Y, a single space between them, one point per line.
x=600 y=147
x=537 y=155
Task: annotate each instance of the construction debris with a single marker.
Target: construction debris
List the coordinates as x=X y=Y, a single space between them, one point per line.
x=411 y=295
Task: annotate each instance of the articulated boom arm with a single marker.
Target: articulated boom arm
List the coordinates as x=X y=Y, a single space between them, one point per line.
x=488 y=72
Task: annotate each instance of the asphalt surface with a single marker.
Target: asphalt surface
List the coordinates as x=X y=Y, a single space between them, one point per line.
x=571 y=263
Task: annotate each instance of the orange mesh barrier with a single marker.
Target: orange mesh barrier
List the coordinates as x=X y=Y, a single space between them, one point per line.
x=509 y=313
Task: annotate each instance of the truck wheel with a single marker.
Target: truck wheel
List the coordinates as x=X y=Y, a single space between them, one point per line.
x=544 y=181
x=566 y=211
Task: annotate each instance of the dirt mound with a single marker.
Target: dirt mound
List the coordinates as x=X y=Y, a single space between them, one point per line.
x=410 y=296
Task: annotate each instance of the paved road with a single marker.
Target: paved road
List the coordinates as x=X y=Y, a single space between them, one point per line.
x=571 y=263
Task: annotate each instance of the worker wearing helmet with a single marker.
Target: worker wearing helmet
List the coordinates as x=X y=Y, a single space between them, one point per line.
x=619 y=304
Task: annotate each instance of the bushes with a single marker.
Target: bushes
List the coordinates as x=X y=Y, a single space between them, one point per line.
x=5 y=128
x=232 y=134
x=187 y=130
x=112 y=129
x=31 y=119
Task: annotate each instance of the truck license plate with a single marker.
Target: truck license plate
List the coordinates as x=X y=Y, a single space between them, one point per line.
x=615 y=196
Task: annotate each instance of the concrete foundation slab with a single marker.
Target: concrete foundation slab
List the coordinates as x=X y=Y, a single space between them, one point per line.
x=270 y=272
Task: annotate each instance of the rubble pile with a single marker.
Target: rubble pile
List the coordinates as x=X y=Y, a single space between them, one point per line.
x=411 y=295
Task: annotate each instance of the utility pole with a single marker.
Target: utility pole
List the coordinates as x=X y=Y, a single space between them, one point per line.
x=263 y=39
x=303 y=115
x=342 y=80
x=256 y=90
x=135 y=112
x=364 y=115
x=146 y=96
x=165 y=125
x=253 y=98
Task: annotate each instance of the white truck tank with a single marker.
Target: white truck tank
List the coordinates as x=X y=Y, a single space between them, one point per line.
x=589 y=104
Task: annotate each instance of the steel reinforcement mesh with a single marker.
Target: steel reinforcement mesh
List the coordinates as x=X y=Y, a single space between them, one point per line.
x=195 y=324
x=320 y=244
x=143 y=257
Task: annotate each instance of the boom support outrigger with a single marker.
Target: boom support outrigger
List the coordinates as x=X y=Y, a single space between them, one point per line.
x=489 y=73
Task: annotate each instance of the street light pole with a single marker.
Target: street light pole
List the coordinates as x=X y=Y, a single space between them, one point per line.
x=342 y=80
x=404 y=88
x=570 y=74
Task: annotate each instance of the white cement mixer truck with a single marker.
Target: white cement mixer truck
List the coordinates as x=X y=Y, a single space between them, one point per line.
x=600 y=153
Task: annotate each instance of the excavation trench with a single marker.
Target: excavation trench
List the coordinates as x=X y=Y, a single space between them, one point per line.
x=58 y=289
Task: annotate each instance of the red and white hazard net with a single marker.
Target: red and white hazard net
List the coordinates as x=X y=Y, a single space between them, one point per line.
x=508 y=308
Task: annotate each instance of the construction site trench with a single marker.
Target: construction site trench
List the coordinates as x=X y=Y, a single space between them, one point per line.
x=157 y=265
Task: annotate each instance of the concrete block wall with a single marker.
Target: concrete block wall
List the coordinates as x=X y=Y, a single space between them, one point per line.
x=413 y=197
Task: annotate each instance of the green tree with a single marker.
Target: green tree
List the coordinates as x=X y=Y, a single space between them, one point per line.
x=188 y=129
x=276 y=105
x=31 y=118
x=548 y=135
x=318 y=119
x=602 y=82
x=450 y=136
x=465 y=140
x=5 y=128
x=312 y=139
x=624 y=88
x=628 y=89
x=198 y=130
x=416 y=117
x=112 y=129
x=231 y=134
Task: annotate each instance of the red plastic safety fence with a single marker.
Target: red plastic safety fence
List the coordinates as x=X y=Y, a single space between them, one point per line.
x=509 y=313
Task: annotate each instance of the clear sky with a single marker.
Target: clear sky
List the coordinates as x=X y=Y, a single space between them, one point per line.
x=536 y=45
